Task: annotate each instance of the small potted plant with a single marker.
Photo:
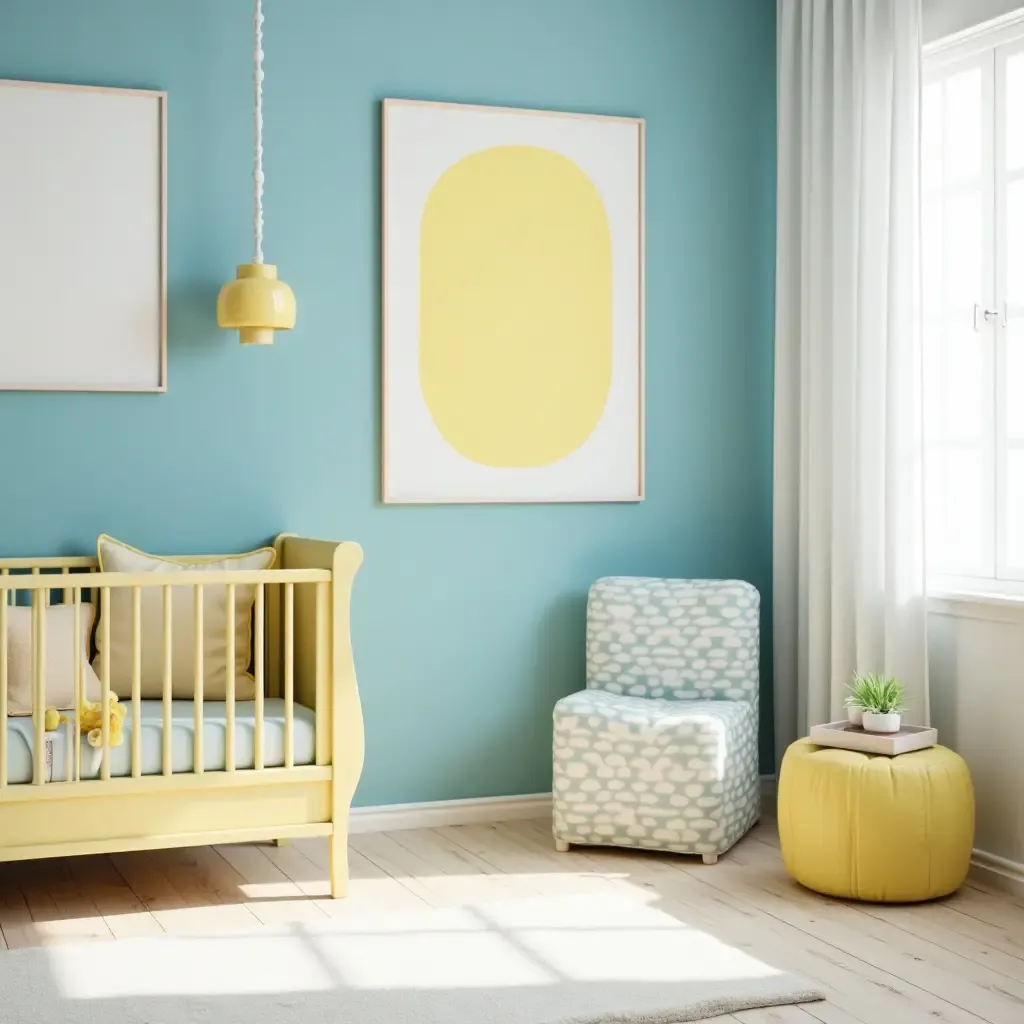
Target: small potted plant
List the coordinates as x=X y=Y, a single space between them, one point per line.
x=881 y=701
x=854 y=712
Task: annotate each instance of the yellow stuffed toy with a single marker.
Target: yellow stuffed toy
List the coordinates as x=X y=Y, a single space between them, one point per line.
x=91 y=721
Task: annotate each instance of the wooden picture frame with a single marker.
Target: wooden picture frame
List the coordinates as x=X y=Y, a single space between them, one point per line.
x=601 y=456
x=83 y=256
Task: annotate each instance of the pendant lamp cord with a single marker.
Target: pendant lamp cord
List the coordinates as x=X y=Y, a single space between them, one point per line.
x=257 y=176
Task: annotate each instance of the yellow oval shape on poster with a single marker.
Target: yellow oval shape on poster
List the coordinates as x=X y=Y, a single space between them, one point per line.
x=515 y=354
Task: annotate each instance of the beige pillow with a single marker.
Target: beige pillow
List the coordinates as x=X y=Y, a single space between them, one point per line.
x=59 y=666
x=117 y=557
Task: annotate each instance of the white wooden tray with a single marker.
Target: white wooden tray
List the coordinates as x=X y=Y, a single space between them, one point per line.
x=853 y=737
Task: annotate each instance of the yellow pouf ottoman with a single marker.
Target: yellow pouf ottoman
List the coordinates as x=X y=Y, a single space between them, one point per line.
x=869 y=827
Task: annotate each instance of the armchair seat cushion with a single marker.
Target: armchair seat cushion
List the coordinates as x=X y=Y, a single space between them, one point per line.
x=676 y=775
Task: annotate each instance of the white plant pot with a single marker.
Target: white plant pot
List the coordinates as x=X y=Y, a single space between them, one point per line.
x=855 y=716
x=874 y=722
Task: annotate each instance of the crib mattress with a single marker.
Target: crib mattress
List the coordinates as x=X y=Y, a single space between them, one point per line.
x=21 y=741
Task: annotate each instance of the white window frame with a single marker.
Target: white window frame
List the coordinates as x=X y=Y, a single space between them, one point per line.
x=1007 y=313
x=989 y=47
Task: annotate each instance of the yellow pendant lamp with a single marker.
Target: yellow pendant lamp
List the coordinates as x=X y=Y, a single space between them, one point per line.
x=256 y=304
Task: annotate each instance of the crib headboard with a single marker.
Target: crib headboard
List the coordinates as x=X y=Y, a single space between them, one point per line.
x=319 y=641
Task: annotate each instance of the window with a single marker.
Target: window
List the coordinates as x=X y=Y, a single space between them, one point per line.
x=973 y=309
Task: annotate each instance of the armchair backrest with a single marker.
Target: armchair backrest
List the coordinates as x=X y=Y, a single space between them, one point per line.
x=675 y=639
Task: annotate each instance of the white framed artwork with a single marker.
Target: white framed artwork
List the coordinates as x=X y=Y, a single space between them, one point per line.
x=82 y=238
x=513 y=305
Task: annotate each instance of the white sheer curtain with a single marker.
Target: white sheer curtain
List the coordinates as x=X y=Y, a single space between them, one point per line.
x=849 y=519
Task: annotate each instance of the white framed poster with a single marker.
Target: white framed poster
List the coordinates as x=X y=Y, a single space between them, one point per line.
x=513 y=305
x=82 y=238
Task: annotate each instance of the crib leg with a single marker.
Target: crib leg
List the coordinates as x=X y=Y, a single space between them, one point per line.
x=339 y=865
x=282 y=842
x=562 y=845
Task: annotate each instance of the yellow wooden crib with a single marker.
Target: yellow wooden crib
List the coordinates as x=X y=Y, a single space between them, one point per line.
x=181 y=770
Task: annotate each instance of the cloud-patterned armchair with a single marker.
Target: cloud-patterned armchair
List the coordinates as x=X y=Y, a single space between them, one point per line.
x=660 y=750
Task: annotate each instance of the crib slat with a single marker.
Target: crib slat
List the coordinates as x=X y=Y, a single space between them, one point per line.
x=36 y=571
x=3 y=689
x=69 y=729
x=76 y=732
x=136 y=682
x=289 y=674
x=168 y=668
x=323 y=654
x=105 y=681
x=39 y=688
x=197 y=682
x=69 y=754
x=258 y=675
x=229 y=708
x=9 y=595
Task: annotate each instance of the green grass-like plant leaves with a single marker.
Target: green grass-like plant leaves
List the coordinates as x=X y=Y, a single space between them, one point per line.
x=882 y=695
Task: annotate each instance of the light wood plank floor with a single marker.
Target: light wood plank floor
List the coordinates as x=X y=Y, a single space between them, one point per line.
x=960 y=960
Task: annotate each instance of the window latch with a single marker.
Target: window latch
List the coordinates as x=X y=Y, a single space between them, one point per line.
x=989 y=315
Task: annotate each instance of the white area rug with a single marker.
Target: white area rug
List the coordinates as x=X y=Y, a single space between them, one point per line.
x=592 y=959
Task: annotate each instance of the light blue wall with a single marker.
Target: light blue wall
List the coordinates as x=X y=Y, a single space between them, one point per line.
x=467 y=620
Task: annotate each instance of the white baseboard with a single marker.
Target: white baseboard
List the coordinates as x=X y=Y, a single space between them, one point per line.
x=480 y=811
x=438 y=813
x=1000 y=873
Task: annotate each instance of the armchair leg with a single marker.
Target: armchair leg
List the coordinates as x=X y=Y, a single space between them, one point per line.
x=710 y=858
x=561 y=846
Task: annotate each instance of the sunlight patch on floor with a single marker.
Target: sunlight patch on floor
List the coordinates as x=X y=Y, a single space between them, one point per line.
x=519 y=944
